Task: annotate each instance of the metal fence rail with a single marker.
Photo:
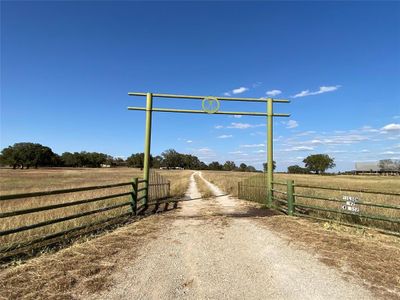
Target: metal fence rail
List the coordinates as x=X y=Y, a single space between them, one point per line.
x=306 y=201
x=92 y=212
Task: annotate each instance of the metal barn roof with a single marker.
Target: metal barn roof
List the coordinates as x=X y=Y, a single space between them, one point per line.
x=367 y=166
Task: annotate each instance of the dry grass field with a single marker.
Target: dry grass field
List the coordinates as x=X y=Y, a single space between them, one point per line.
x=22 y=181
x=228 y=181
x=202 y=187
x=87 y=267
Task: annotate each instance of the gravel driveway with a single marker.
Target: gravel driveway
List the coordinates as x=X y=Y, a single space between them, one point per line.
x=214 y=249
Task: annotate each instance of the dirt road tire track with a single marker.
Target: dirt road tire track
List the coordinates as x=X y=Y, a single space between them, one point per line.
x=214 y=249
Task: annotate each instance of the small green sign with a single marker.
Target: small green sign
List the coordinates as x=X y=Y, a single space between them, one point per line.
x=210 y=105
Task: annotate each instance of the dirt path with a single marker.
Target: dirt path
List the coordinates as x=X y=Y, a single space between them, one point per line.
x=214 y=249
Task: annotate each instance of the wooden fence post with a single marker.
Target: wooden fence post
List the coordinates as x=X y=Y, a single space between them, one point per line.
x=290 y=197
x=134 y=194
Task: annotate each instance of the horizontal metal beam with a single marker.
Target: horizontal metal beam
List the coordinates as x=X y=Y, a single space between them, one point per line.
x=202 y=97
x=193 y=111
x=18 y=245
x=346 y=190
x=63 y=191
x=54 y=206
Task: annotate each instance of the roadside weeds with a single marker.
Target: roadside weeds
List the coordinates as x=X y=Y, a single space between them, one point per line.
x=82 y=269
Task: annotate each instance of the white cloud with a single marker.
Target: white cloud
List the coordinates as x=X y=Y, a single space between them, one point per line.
x=390 y=153
x=237 y=116
x=365 y=151
x=225 y=136
x=189 y=141
x=304 y=133
x=204 y=153
x=239 y=125
x=235 y=152
x=244 y=125
x=337 y=140
x=252 y=145
x=369 y=129
x=256 y=84
x=218 y=126
x=259 y=151
x=273 y=93
x=227 y=94
x=300 y=148
x=204 y=150
x=391 y=128
x=291 y=124
x=302 y=94
x=322 y=89
x=240 y=90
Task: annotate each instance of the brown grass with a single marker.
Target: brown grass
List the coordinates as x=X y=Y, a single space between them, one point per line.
x=179 y=181
x=202 y=187
x=365 y=255
x=80 y=270
x=228 y=181
x=20 y=181
x=86 y=267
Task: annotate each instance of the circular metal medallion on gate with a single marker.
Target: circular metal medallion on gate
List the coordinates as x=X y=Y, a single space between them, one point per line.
x=210 y=105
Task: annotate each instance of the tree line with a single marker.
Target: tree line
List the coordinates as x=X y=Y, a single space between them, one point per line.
x=171 y=159
x=34 y=155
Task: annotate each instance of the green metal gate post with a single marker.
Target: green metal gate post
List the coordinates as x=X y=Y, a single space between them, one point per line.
x=270 y=155
x=147 y=143
x=290 y=197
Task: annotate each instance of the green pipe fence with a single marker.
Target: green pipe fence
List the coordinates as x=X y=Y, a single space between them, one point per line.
x=62 y=191
x=110 y=207
x=302 y=201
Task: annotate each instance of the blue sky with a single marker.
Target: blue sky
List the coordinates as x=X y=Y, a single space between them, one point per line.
x=66 y=69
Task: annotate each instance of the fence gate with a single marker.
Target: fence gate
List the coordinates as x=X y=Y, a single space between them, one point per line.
x=255 y=189
x=209 y=105
x=347 y=206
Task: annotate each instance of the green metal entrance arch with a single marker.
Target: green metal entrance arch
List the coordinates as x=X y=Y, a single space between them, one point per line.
x=210 y=105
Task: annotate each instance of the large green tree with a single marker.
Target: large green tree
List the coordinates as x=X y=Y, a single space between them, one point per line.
x=319 y=163
x=243 y=167
x=265 y=166
x=26 y=155
x=85 y=159
x=296 y=169
x=229 y=166
x=136 y=160
x=172 y=159
x=216 y=166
